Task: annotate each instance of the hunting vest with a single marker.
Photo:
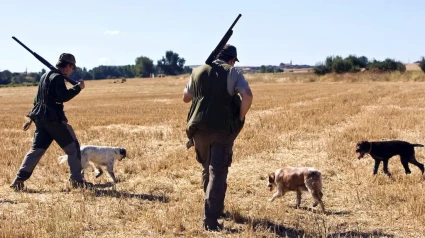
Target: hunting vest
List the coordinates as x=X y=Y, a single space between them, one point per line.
x=213 y=108
x=46 y=107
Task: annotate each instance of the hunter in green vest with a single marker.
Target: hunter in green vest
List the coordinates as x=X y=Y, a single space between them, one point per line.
x=220 y=98
x=213 y=108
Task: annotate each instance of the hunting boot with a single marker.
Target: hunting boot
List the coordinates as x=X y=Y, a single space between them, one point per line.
x=212 y=226
x=17 y=185
x=81 y=184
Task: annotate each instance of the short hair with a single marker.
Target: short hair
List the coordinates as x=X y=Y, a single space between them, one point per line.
x=225 y=58
x=62 y=64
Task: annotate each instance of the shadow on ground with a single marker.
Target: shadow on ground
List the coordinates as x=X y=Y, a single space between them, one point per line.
x=30 y=190
x=319 y=211
x=8 y=201
x=360 y=234
x=278 y=229
x=118 y=194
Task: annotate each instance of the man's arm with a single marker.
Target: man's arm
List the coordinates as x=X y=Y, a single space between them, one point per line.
x=188 y=91
x=186 y=96
x=64 y=94
x=247 y=98
x=241 y=86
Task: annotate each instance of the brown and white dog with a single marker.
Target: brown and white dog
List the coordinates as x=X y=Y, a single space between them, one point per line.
x=299 y=180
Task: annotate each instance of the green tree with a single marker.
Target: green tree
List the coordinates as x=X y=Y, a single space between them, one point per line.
x=328 y=63
x=109 y=72
x=340 y=65
x=86 y=75
x=387 y=65
x=5 y=77
x=128 y=71
x=171 y=64
x=35 y=76
x=363 y=61
x=187 y=70
x=263 y=69
x=356 y=62
x=77 y=74
x=18 y=79
x=322 y=68
x=269 y=69
x=401 y=67
x=144 y=67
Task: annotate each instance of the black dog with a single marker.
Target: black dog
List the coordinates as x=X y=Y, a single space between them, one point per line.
x=384 y=150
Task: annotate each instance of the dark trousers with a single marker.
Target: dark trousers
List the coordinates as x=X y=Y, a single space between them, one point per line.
x=214 y=150
x=45 y=133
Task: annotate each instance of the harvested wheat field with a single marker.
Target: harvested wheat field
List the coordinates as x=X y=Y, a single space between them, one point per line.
x=291 y=123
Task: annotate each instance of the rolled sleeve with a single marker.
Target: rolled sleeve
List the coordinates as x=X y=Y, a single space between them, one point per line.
x=236 y=82
x=189 y=87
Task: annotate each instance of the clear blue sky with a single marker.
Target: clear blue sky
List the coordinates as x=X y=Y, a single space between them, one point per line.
x=269 y=32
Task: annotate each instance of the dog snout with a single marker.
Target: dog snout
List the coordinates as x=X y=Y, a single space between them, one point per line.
x=270 y=186
x=123 y=153
x=358 y=148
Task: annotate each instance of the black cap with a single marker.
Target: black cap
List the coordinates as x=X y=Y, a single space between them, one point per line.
x=229 y=50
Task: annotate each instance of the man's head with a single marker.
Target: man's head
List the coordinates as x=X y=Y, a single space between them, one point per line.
x=66 y=63
x=228 y=54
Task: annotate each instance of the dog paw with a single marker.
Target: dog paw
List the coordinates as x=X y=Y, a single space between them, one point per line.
x=270 y=199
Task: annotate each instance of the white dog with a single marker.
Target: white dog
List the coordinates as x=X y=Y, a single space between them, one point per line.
x=99 y=156
x=297 y=179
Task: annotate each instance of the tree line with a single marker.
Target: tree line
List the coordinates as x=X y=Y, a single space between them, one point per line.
x=170 y=64
x=270 y=69
x=173 y=64
x=354 y=64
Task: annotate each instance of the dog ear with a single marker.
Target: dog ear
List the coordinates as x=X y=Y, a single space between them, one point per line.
x=271 y=177
x=362 y=143
x=123 y=151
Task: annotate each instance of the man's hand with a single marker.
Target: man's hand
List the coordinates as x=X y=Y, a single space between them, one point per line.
x=81 y=83
x=247 y=97
x=186 y=96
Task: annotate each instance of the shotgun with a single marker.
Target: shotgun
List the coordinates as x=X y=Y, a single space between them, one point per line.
x=213 y=56
x=222 y=43
x=45 y=62
x=50 y=66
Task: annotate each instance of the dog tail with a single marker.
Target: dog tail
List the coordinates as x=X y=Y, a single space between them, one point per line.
x=314 y=180
x=62 y=159
x=417 y=145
